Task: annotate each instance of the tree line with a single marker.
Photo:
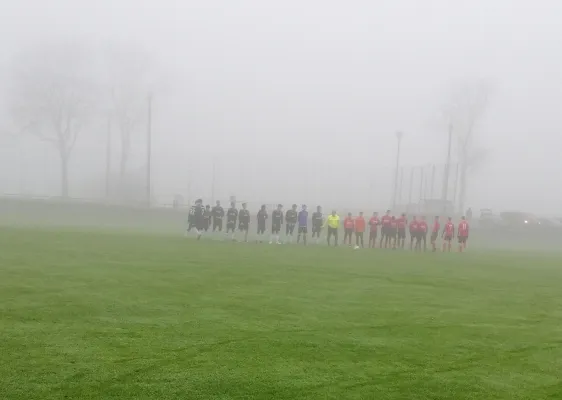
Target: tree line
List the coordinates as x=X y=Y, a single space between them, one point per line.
x=58 y=90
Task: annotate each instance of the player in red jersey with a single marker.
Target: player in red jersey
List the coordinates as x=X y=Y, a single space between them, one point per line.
x=413 y=228
x=462 y=234
x=422 y=234
x=348 y=229
x=401 y=224
x=374 y=222
x=359 y=229
x=391 y=239
x=435 y=233
x=385 y=230
x=448 y=234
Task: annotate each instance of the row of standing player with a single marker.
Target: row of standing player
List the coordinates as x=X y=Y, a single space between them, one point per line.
x=393 y=229
x=203 y=218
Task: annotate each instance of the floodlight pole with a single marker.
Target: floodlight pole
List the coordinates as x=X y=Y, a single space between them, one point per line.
x=399 y=138
x=149 y=151
x=108 y=159
x=444 y=193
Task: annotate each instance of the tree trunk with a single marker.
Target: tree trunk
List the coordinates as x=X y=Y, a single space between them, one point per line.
x=64 y=174
x=462 y=185
x=125 y=150
x=123 y=167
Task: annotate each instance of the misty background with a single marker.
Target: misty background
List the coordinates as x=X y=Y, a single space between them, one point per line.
x=294 y=101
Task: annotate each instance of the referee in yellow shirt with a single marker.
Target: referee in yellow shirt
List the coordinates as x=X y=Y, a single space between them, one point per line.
x=333 y=222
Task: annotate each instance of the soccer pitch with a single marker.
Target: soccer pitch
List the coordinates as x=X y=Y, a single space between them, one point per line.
x=88 y=315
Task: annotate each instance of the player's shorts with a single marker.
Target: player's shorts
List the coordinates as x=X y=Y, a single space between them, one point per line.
x=448 y=238
x=384 y=230
x=316 y=229
x=332 y=231
x=303 y=229
x=276 y=228
x=230 y=226
x=391 y=232
x=290 y=228
x=243 y=226
x=200 y=224
x=372 y=235
x=401 y=233
x=217 y=225
x=261 y=228
x=434 y=236
x=359 y=234
x=422 y=236
x=463 y=239
x=348 y=231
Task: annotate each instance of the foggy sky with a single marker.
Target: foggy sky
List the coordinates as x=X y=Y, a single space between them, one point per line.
x=311 y=93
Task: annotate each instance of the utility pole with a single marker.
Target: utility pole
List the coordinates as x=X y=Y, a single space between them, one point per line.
x=399 y=195
x=422 y=177
x=213 y=182
x=456 y=188
x=399 y=138
x=444 y=193
x=432 y=196
x=149 y=151
x=108 y=159
x=411 y=187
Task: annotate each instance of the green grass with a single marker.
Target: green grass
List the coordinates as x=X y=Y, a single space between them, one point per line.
x=109 y=316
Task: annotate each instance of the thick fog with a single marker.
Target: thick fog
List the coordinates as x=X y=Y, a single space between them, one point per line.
x=294 y=101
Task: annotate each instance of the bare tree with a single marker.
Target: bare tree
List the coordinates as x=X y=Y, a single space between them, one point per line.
x=464 y=111
x=51 y=98
x=129 y=85
x=129 y=116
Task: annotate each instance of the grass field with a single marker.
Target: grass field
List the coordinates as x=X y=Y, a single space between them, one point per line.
x=113 y=316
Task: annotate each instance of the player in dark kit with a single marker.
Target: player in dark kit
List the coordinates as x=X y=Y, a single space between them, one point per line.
x=291 y=217
x=317 y=222
x=231 y=218
x=207 y=217
x=303 y=224
x=244 y=221
x=218 y=215
x=196 y=218
x=262 y=218
x=276 y=222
